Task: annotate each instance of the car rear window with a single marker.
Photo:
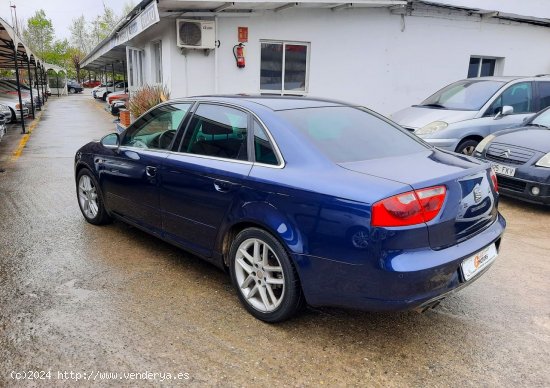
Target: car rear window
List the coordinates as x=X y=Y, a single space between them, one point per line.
x=348 y=134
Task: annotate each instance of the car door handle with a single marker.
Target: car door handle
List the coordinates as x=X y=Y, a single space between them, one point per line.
x=150 y=171
x=222 y=187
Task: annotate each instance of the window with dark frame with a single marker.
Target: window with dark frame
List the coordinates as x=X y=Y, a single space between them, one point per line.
x=284 y=67
x=217 y=131
x=482 y=67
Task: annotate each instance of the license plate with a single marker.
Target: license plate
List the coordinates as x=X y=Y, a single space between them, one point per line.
x=499 y=169
x=475 y=264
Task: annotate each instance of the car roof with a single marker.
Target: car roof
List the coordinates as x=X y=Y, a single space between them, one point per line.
x=275 y=103
x=542 y=77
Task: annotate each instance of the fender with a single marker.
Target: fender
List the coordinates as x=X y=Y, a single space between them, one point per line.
x=264 y=214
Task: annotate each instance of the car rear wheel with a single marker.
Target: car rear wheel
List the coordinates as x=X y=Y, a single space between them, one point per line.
x=266 y=281
x=13 y=116
x=467 y=147
x=90 y=199
x=72 y=91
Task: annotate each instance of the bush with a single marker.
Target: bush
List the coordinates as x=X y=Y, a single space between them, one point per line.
x=147 y=97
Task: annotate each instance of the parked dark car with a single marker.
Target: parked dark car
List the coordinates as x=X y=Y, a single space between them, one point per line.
x=521 y=159
x=74 y=87
x=302 y=200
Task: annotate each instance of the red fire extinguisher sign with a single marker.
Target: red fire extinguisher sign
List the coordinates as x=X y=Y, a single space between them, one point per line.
x=243 y=34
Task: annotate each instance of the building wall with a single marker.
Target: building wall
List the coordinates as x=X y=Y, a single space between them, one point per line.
x=365 y=56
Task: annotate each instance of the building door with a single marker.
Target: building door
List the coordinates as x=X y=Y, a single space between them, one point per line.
x=134 y=63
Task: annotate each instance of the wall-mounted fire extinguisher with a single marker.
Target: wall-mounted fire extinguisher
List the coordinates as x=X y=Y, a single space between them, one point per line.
x=238 y=53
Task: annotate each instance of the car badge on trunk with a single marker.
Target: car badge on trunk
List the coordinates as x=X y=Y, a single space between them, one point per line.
x=477 y=195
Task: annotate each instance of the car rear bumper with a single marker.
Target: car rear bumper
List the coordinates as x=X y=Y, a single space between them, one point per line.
x=18 y=113
x=401 y=281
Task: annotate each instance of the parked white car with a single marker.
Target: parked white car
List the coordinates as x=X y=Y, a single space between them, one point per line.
x=103 y=91
x=12 y=102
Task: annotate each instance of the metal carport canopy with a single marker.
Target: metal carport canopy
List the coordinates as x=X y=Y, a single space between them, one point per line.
x=112 y=50
x=14 y=54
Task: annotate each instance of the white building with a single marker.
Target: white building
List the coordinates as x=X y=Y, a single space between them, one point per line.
x=384 y=54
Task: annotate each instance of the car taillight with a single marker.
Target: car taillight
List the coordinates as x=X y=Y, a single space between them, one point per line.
x=494 y=180
x=410 y=208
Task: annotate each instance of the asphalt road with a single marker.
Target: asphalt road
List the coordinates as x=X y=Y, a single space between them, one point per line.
x=84 y=299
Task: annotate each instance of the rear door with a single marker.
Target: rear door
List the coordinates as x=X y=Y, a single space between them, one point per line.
x=129 y=177
x=201 y=182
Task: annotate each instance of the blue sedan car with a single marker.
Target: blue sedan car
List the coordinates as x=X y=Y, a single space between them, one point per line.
x=301 y=200
x=521 y=159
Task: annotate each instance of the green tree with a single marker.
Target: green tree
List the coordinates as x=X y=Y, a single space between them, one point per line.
x=58 y=54
x=76 y=55
x=80 y=37
x=39 y=33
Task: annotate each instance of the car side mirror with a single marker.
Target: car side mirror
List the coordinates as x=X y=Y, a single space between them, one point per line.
x=506 y=110
x=111 y=141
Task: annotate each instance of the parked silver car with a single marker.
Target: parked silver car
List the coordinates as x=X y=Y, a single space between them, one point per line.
x=12 y=102
x=460 y=115
x=5 y=116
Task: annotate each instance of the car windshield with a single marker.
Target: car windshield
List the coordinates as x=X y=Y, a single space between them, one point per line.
x=463 y=95
x=542 y=120
x=347 y=134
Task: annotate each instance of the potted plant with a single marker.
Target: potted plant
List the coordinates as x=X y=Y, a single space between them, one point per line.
x=146 y=98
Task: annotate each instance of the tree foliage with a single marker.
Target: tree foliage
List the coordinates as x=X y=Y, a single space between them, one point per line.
x=39 y=33
x=80 y=35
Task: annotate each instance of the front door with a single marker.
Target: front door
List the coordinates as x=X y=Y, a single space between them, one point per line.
x=129 y=178
x=201 y=182
x=520 y=97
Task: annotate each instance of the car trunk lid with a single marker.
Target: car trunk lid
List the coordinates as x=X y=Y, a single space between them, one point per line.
x=470 y=205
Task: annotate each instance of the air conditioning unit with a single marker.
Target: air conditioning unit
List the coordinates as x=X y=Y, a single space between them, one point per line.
x=196 y=34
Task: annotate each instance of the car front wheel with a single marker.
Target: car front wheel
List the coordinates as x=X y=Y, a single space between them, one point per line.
x=266 y=281
x=71 y=90
x=467 y=147
x=90 y=199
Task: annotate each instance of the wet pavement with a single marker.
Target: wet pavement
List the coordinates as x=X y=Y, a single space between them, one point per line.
x=95 y=300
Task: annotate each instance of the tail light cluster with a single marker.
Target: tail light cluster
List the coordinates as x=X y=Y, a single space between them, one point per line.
x=410 y=208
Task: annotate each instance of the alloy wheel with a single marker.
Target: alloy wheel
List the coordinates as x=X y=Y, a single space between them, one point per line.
x=468 y=150
x=259 y=275
x=87 y=196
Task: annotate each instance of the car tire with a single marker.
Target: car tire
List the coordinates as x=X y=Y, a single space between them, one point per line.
x=104 y=98
x=90 y=198
x=267 y=283
x=13 y=116
x=467 y=147
x=71 y=91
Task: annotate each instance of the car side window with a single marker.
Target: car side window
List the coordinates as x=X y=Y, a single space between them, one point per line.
x=519 y=96
x=157 y=128
x=544 y=94
x=263 y=148
x=218 y=131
